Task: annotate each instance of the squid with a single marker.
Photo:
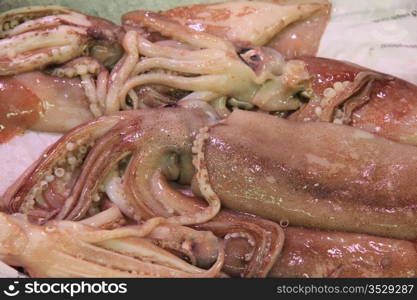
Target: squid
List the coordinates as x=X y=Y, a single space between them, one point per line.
x=192 y=148
x=193 y=166
x=197 y=50
x=250 y=247
x=310 y=253
x=100 y=68
x=63 y=183
x=317 y=174
x=293 y=28
x=349 y=94
x=35 y=37
x=53 y=68
x=80 y=250
x=210 y=69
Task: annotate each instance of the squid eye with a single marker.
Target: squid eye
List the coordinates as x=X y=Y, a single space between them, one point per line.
x=244 y=50
x=252 y=57
x=173 y=105
x=255 y=57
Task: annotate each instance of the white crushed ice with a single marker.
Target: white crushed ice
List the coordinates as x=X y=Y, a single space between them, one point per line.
x=19 y=153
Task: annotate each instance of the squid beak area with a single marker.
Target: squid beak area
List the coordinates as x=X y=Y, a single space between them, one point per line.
x=251 y=244
x=106 y=52
x=106 y=41
x=178 y=168
x=237 y=254
x=284 y=85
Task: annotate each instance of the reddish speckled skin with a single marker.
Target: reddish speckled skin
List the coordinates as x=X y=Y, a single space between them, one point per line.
x=37 y=101
x=312 y=253
x=299 y=38
x=315 y=174
x=325 y=72
x=14 y=96
x=391 y=111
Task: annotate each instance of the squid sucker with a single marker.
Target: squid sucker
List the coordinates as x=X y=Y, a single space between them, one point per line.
x=204 y=141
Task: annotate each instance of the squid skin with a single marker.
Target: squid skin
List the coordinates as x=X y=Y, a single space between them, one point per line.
x=313 y=253
x=41 y=102
x=319 y=175
x=293 y=28
x=63 y=100
x=389 y=112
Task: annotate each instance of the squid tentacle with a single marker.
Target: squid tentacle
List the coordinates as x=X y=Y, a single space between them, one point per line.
x=264 y=238
x=121 y=72
x=171 y=28
x=351 y=95
x=92 y=252
x=20 y=197
x=55 y=36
